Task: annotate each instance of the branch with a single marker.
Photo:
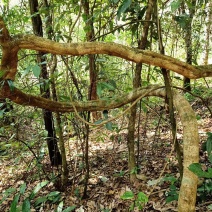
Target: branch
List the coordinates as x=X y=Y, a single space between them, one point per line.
x=144 y=56
x=24 y=99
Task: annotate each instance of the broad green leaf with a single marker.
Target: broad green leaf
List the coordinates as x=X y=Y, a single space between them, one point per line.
x=23 y=188
x=171 y=198
x=127 y=195
x=26 y=205
x=14 y=203
x=60 y=207
x=132 y=206
x=98 y=121
x=182 y=20
x=26 y=71
x=54 y=196
x=108 y=85
x=170 y=179
x=6 y=194
x=2 y=73
x=172 y=188
x=112 y=83
x=36 y=70
x=175 y=5
x=40 y=200
x=142 y=197
x=197 y=169
x=109 y=126
x=123 y=7
x=11 y=84
x=71 y=208
x=37 y=188
x=210 y=207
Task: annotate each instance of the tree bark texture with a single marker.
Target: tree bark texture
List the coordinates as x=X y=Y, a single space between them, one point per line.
x=208 y=33
x=54 y=153
x=188 y=188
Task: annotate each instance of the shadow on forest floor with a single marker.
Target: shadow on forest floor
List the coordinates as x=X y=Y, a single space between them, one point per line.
x=109 y=176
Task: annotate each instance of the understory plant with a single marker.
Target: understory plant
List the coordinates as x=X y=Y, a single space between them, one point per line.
x=205 y=175
x=25 y=201
x=138 y=201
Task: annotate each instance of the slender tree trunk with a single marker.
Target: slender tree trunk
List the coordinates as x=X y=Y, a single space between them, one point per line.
x=89 y=28
x=188 y=42
x=54 y=153
x=208 y=33
x=50 y=31
x=169 y=98
x=64 y=178
x=92 y=94
x=136 y=84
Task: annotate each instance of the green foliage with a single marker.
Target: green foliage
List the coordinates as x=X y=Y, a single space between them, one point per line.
x=175 y=5
x=173 y=192
x=30 y=201
x=119 y=174
x=11 y=84
x=127 y=195
x=196 y=168
x=7 y=194
x=108 y=86
x=209 y=146
x=123 y=7
x=139 y=200
x=205 y=190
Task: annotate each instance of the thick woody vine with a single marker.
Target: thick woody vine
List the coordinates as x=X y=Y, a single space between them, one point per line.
x=8 y=70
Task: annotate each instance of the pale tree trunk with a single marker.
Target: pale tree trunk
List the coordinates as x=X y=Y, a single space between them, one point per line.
x=137 y=84
x=188 y=189
x=208 y=33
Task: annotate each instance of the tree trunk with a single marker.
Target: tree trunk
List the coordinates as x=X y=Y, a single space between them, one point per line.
x=137 y=84
x=54 y=153
x=89 y=28
x=208 y=33
x=49 y=31
x=188 y=189
x=169 y=98
x=188 y=42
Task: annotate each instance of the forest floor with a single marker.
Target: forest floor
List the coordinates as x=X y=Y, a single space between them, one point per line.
x=109 y=176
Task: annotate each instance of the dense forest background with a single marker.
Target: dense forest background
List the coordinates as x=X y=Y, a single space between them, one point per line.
x=106 y=105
